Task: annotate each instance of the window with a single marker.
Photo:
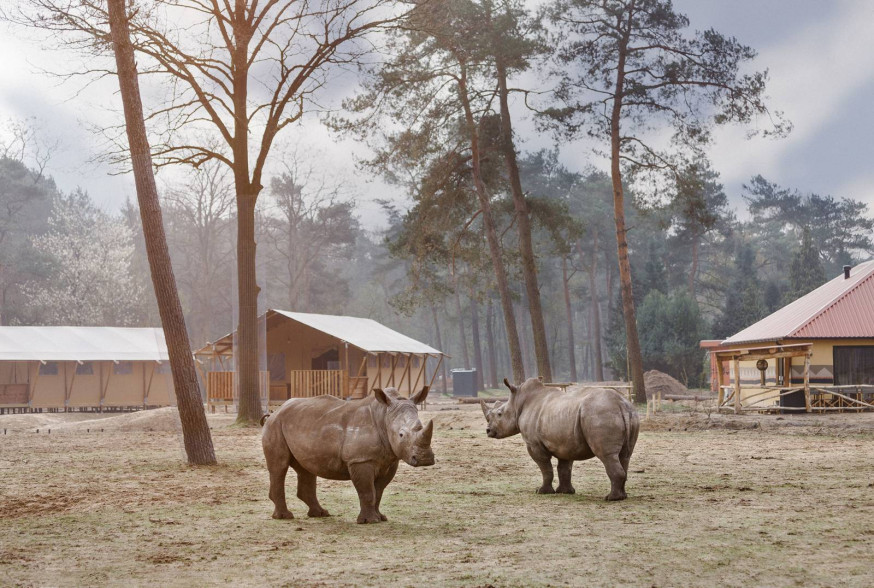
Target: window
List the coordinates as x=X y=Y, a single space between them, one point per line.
x=276 y=366
x=415 y=361
x=371 y=361
x=402 y=361
x=854 y=365
x=123 y=368
x=85 y=369
x=163 y=367
x=48 y=369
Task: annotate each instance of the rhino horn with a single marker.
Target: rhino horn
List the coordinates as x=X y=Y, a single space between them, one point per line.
x=425 y=437
x=485 y=407
x=510 y=386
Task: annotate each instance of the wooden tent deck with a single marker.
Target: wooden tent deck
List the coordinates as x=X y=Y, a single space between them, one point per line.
x=770 y=398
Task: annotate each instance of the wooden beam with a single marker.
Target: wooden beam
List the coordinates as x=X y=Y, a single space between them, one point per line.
x=394 y=366
x=151 y=377
x=736 y=385
x=407 y=373
x=436 y=370
x=424 y=361
x=720 y=394
x=104 y=387
x=807 y=382
x=32 y=381
x=68 y=389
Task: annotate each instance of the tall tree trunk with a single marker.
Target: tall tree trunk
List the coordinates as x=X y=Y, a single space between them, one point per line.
x=492 y=236
x=594 y=308
x=693 y=271
x=523 y=224
x=249 y=408
x=477 y=344
x=195 y=430
x=635 y=359
x=572 y=361
x=462 y=335
x=490 y=346
x=439 y=345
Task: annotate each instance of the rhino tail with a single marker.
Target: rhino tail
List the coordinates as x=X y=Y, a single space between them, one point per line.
x=632 y=426
x=264 y=418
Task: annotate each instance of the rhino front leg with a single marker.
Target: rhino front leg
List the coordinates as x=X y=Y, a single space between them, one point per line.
x=363 y=478
x=617 y=476
x=565 y=468
x=543 y=459
x=380 y=485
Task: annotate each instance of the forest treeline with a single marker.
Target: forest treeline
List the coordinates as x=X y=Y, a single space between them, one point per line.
x=702 y=268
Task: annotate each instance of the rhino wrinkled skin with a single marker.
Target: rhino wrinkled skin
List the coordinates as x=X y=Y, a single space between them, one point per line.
x=358 y=440
x=570 y=426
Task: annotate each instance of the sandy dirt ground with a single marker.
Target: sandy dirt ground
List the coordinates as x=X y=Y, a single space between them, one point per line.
x=713 y=500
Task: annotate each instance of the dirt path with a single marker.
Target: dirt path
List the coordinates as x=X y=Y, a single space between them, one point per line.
x=725 y=500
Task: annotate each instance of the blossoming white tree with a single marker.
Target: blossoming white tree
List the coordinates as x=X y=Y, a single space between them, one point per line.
x=90 y=281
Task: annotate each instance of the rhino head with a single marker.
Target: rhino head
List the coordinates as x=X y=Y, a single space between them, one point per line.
x=501 y=416
x=409 y=440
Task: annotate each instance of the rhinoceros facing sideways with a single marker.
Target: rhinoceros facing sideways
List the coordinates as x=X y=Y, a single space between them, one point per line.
x=569 y=426
x=358 y=440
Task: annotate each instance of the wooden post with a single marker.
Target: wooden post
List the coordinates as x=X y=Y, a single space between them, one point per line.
x=807 y=406
x=394 y=367
x=436 y=370
x=736 y=385
x=31 y=382
x=720 y=393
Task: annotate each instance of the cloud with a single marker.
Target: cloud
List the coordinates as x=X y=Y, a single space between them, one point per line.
x=815 y=72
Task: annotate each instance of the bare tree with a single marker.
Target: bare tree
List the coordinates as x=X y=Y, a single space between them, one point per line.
x=237 y=73
x=200 y=232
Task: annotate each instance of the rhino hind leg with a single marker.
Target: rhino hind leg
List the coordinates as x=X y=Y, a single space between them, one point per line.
x=278 y=460
x=565 y=469
x=306 y=491
x=617 y=476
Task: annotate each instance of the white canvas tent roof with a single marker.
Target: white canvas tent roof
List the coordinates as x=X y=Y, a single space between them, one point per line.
x=82 y=344
x=366 y=334
x=363 y=333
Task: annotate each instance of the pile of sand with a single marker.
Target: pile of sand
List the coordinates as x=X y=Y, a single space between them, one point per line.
x=660 y=382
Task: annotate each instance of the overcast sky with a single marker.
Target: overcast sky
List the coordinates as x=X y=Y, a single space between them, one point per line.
x=820 y=55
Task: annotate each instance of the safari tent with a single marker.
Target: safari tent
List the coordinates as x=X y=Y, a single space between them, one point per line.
x=814 y=354
x=311 y=354
x=55 y=368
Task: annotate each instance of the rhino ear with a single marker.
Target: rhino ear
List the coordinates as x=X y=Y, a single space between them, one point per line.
x=420 y=396
x=510 y=386
x=382 y=396
x=485 y=408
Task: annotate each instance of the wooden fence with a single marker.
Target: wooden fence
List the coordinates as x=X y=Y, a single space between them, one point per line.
x=309 y=383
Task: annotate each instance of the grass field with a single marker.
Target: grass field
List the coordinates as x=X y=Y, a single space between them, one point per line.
x=737 y=501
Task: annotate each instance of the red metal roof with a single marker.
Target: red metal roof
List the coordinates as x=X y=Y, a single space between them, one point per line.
x=841 y=308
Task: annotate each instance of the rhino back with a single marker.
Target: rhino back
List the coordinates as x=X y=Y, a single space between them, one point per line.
x=324 y=434
x=576 y=425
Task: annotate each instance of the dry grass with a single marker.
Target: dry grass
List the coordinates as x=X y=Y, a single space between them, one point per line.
x=733 y=501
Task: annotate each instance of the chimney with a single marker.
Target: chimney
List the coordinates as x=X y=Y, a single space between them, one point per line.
x=847 y=269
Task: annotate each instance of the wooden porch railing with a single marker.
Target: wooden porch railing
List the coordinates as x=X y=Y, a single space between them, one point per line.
x=222 y=387
x=308 y=383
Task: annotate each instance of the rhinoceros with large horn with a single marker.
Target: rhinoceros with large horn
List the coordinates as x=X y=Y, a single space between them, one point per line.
x=358 y=440
x=570 y=426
